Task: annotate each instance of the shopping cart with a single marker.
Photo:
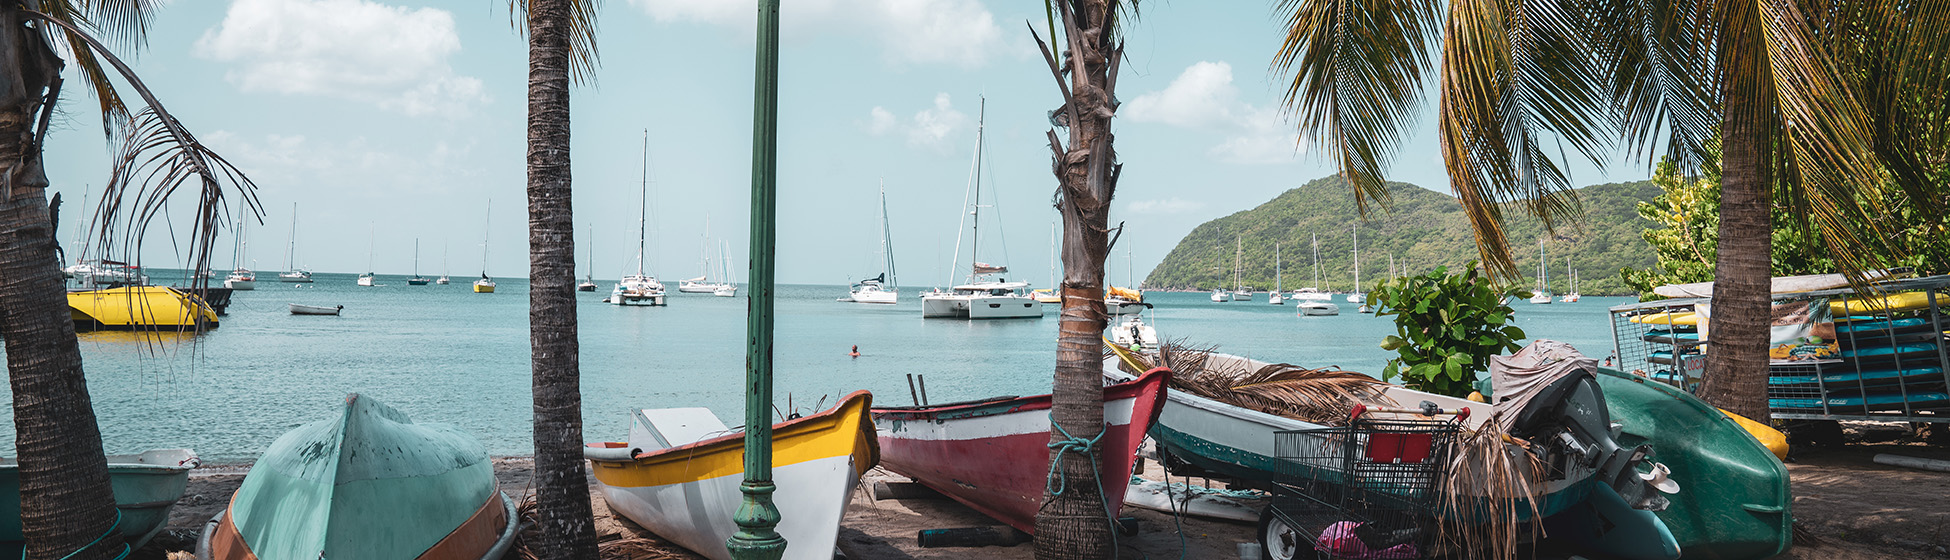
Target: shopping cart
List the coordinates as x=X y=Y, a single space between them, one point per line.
x=1364 y=491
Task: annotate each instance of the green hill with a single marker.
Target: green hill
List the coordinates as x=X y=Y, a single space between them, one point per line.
x=1422 y=229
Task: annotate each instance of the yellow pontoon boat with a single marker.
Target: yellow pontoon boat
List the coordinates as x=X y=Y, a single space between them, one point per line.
x=140 y=307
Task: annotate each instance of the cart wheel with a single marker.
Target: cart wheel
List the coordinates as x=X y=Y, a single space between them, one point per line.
x=1281 y=541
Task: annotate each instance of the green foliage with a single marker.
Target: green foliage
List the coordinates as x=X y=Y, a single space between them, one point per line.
x=1446 y=328
x=1421 y=228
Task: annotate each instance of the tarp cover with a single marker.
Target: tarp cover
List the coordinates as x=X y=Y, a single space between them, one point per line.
x=1518 y=377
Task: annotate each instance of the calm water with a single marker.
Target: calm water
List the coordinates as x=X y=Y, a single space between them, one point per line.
x=445 y=354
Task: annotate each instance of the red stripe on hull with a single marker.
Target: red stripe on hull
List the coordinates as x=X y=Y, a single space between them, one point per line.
x=1004 y=476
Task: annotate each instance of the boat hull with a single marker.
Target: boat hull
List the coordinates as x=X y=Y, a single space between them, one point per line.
x=690 y=493
x=240 y=285
x=1317 y=309
x=146 y=487
x=139 y=307
x=993 y=456
x=302 y=309
x=655 y=300
x=295 y=278
x=480 y=288
x=586 y=287
x=416 y=281
x=882 y=297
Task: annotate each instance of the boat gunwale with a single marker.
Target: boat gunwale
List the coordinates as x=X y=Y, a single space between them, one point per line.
x=1132 y=388
x=803 y=423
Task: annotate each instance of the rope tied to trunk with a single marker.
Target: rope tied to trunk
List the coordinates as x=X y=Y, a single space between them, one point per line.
x=1071 y=443
x=98 y=540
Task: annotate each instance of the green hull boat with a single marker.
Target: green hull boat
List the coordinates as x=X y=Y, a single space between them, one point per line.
x=369 y=484
x=1734 y=496
x=146 y=486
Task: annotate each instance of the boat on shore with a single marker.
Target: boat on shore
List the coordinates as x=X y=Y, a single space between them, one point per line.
x=140 y=308
x=993 y=455
x=679 y=474
x=368 y=483
x=146 y=485
x=302 y=309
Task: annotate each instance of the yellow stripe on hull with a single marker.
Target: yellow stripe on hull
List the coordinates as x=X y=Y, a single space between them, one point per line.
x=140 y=306
x=842 y=431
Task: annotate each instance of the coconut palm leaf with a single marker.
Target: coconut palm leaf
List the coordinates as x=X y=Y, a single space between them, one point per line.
x=584 y=56
x=1322 y=395
x=1485 y=477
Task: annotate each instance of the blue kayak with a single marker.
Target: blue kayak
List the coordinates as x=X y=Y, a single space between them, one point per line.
x=1886 y=351
x=1871 y=377
x=1876 y=401
x=1864 y=327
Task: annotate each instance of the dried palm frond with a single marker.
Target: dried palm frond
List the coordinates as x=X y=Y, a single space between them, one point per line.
x=1318 y=395
x=1489 y=495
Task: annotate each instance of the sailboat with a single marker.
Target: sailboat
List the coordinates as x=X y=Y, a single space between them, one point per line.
x=1572 y=297
x=640 y=288
x=368 y=279
x=980 y=298
x=241 y=279
x=1543 y=295
x=1276 y=298
x=1312 y=300
x=886 y=287
x=292 y=273
x=702 y=284
x=1048 y=295
x=1239 y=290
x=444 y=280
x=724 y=288
x=589 y=284
x=485 y=285
x=417 y=279
x=1358 y=296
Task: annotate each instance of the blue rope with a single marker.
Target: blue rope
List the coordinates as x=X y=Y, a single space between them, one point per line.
x=1072 y=443
x=98 y=540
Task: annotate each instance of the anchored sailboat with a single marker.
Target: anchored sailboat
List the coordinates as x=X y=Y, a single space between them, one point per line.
x=372 y=239
x=885 y=288
x=640 y=288
x=242 y=278
x=485 y=285
x=980 y=298
x=444 y=280
x=1543 y=295
x=589 y=284
x=417 y=279
x=1276 y=298
x=1312 y=300
x=292 y=272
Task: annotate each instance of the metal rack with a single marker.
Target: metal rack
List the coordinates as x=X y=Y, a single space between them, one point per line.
x=1365 y=490
x=1893 y=364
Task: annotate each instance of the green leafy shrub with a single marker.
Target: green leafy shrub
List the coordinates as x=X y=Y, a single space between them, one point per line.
x=1447 y=326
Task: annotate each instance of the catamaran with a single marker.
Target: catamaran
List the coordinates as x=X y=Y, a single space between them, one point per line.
x=640 y=288
x=1543 y=295
x=980 y=297
x=292 y=272
x=886 y=287
x=486 y=284
x=417 y=279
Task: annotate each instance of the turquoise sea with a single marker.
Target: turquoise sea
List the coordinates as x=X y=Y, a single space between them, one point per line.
x=445 y=354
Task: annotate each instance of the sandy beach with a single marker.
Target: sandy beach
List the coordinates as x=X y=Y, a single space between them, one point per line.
x=1847 y=507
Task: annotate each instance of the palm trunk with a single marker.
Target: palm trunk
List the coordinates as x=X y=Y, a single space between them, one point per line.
x=66 y=502
x=561 y=489
x=1736 y=365
x=1075 y=524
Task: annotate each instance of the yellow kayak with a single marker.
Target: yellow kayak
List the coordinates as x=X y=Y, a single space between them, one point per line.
x=1669 y=318
x=1772 y=439
x=1907 y=301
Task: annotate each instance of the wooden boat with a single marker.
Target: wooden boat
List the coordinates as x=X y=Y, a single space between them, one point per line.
x=1735 y=497
x=302 y=309
x=679 y=473
x=146 y=486
x=140 y=307
x=367 y=484
x=993 y=455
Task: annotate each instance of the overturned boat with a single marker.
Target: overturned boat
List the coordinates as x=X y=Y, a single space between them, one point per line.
x=993 y=455
x=680 y=471
x=369 y=484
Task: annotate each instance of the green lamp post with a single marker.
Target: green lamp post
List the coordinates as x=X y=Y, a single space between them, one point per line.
x=757 y=538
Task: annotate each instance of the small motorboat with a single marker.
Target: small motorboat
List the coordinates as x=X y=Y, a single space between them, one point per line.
x=368 y=483
x=302 y=309
x=993 y=455
x=679 y=475
x=146 y=485
x=1316 y=308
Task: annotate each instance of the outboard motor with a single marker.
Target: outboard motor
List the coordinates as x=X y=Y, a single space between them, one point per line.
x=1570 y=429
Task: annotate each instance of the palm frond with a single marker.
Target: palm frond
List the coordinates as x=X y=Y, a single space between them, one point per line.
x=584 y=56
x=1319 y=395
x=156 y=161
x=1657 y=56
x=1358 y=75
x=1487 y=479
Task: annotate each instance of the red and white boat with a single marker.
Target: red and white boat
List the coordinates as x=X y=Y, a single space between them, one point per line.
x=993 y=455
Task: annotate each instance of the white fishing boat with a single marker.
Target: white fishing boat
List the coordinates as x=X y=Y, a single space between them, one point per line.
x=640 y=288
x=241 y=279
x=486 y=284
x=885 y=288
x=1543 y=295
x=679 y=475
x=980 y=297
x=1275 y=297
x=292 y=272
x=302 y=309
x=1358 y=296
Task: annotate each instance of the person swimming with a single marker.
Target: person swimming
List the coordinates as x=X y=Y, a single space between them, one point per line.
x=856 y=351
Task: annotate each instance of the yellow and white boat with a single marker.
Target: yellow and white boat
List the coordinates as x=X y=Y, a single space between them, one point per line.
x=484 y=286
x=1045 y=295
x=140 y=307
x=679 y=474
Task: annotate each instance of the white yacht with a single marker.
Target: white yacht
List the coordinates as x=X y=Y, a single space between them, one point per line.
x=1317 y=308
x=293 y=273
x=1572 y=297
x=980 y=297
x=1543 y=295
x=368 y=279
x=703 y=284
x=640 y=288
x=1311 y=301
x=1221 y=296
x=885 y=288
x=241 y=279
x=1358 y=296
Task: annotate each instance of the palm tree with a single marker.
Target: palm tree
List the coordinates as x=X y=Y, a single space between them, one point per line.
x=1075 y=522
x=561 y=43
x=67 y=507
x=1815 y=102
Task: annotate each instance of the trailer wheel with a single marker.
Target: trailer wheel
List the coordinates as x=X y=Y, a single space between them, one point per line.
x=1279 y=540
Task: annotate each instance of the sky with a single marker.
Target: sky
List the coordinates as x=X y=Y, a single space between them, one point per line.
x=406 y=121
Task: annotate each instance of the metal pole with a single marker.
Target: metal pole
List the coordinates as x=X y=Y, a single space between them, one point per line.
x=757 y=517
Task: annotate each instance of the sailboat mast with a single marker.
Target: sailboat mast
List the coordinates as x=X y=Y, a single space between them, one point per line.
x=1316 y=243
x=486 y=227
x=416 y=257
x=886 y=240
x=1238 y=259
x=1357 y=260
x=1278 y=282
x=975 y=234
x=291 y=244
x=372 y=241
x=643 y=204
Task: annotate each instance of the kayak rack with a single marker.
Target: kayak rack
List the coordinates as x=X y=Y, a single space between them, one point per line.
x=1839 y=354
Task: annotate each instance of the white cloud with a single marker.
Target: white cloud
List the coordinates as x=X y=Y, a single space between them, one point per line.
x=1173 y=205
x=935 y=127
x=389 y=56
x=1203 y=97
x=960 y=32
